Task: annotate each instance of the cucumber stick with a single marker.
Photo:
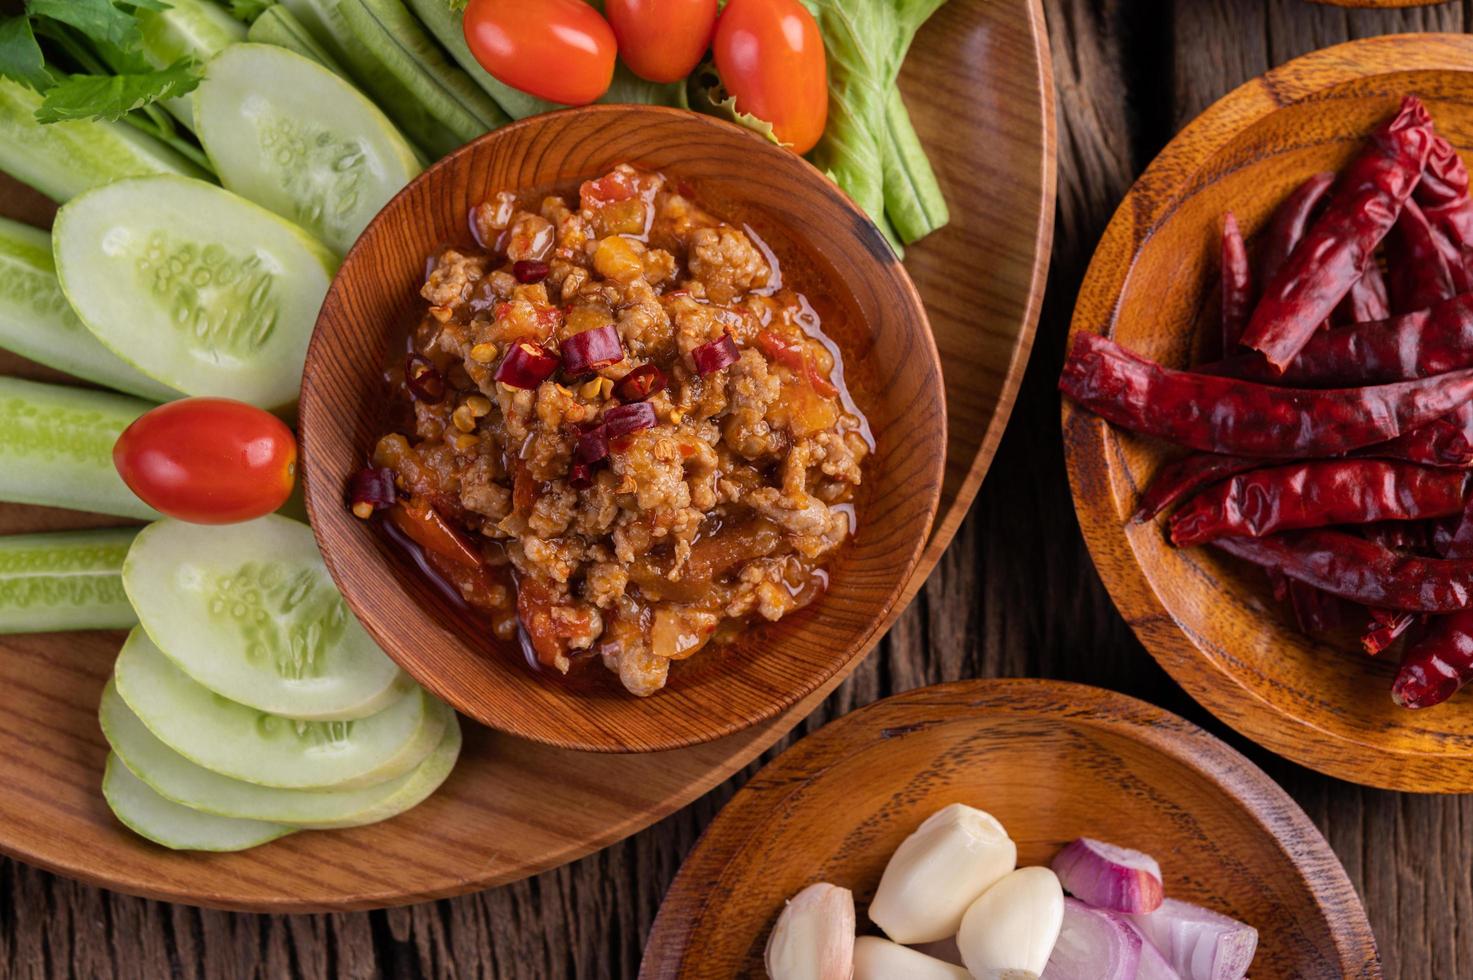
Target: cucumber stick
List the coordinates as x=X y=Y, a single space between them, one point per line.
x=61 y=160
x=249 y=611
x=64 y=580
x=149 y=815
x=198 y=29
x=279 y=26
x=195 y=286
x=37 y=322
x=56 y=447
x=177 y=779
x=290 y=135
x=250 y=745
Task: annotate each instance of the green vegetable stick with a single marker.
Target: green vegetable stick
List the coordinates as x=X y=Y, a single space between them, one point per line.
x=61 y=160
x=65 y=580
x=194 y=29
x=279 y=26
x=913 y=199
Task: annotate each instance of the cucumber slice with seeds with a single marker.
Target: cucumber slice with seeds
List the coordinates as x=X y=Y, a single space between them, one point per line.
x=196 y=286
x=56 y=447
x=176 y=778
x=64 y=580
x=149 y=815
x=250 y=745
x=249 y=611
x=37 y=322
x=290 y=135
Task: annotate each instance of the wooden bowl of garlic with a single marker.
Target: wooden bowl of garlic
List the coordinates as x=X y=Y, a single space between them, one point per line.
x=1017 y=828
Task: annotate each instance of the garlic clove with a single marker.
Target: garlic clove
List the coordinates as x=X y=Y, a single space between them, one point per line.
x=938 y=871
x=1009 y=932
x=880 y=959
x=814 y=937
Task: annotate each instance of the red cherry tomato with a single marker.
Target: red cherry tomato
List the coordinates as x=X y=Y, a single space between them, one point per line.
x=559 y=50
x=770 y=56
x=208 y=460
x=662 y=40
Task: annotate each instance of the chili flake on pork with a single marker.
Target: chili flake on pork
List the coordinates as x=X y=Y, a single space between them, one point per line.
x=621 y=404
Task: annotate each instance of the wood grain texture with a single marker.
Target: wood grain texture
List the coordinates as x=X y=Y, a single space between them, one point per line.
x=836 y=805
x=1016 y=593
x=1212 y=622
x=514 y=808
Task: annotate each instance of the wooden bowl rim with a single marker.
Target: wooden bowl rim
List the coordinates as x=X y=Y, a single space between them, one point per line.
x=1213 y=684
x=1062 y=702
x=324 y=506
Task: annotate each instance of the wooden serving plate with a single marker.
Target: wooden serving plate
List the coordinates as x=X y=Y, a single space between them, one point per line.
x=1210 y=621
x=1053 y=761
x=979 y=85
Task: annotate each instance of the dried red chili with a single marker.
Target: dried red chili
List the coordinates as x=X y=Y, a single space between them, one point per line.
x=1419 y=263
x=1446 y=441
x=1225 y=415
x=1339 y=246
x=1317 y=494
x=1385 y=628
x=1237 y=283
x=1176 y=481
x=640 y=383
x=423 y=379
x=1367 y=299
x=1286 y=227
x=1435 y=668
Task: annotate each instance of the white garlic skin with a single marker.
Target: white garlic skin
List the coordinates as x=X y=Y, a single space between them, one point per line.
x=880 y=959
x=1009 y=931
x=814 y=937
x=938 y=871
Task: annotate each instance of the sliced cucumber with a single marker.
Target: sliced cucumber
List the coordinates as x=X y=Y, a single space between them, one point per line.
x=61 y=160
x=287 y=133
x=279 y=26
x=149 y=815
x=56 y=447
x=64 y=580
x=196 y=286
x=197 y=29
x=243 y=743
x=37 y=322
x=325 y=21
x=176 y=778
x=249 y=611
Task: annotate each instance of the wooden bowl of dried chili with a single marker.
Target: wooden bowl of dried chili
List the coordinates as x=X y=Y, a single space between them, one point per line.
x=1155 y=289
x=660 y=384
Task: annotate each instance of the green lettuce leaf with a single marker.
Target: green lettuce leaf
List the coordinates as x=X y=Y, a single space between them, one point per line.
x=20 y=56
x=100 y=20
x=113 y=96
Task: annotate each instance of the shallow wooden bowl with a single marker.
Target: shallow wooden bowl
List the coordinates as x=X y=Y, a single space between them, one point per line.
x=1052 y=761
x=891 y=364
x=1209 y=620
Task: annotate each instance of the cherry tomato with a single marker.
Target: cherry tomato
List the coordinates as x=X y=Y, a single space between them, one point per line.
x=662 y=40
x=770 y=56
x=208 y=460
x=559 y=50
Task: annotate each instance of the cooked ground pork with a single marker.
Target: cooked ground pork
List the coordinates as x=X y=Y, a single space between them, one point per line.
x=632 y=544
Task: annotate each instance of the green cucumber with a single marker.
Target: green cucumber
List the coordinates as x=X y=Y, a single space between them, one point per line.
x=176 y=778
x=290 y=135
x=64 y=580
x=61 y=160
x=279 y=26
x=149 y=815
x=37 y=322
x=195 y=29
x=390 y=32
x=243 y=743
x=249 y=611
x=196 y=286
x=325 y=21
x=56 y=447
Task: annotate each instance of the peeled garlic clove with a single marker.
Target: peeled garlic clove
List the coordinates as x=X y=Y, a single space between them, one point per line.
x=1009 y=932
x=880 y=959
x=814 y=937
x=939 y=870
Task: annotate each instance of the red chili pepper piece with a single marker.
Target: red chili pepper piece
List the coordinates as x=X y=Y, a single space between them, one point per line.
x=794 y=356
x=1340 y=245
x=1176 y=481
x=1443 y=195
x=1317 y=494
x=592 y=446
x=580 y=476
x=525 y=366
x=1385 y=628
x=1367 y=299
x=1286 y=228
x=1444 y=177
x=715 y=355
x=1237 y=283
x=592 y=349
x=1418 y=259
x=424 y=380
x=528 y=271
x=1447 y=441
x=373 y=487
x=1434 y=669
x=641 y=383
x=1360 y=570
x=1225 y=415
x=621 y=420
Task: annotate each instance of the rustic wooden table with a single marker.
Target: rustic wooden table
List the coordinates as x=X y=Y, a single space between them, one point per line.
x=1015 y=595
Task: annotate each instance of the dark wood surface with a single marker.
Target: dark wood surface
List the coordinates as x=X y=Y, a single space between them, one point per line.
x=1016 y=595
